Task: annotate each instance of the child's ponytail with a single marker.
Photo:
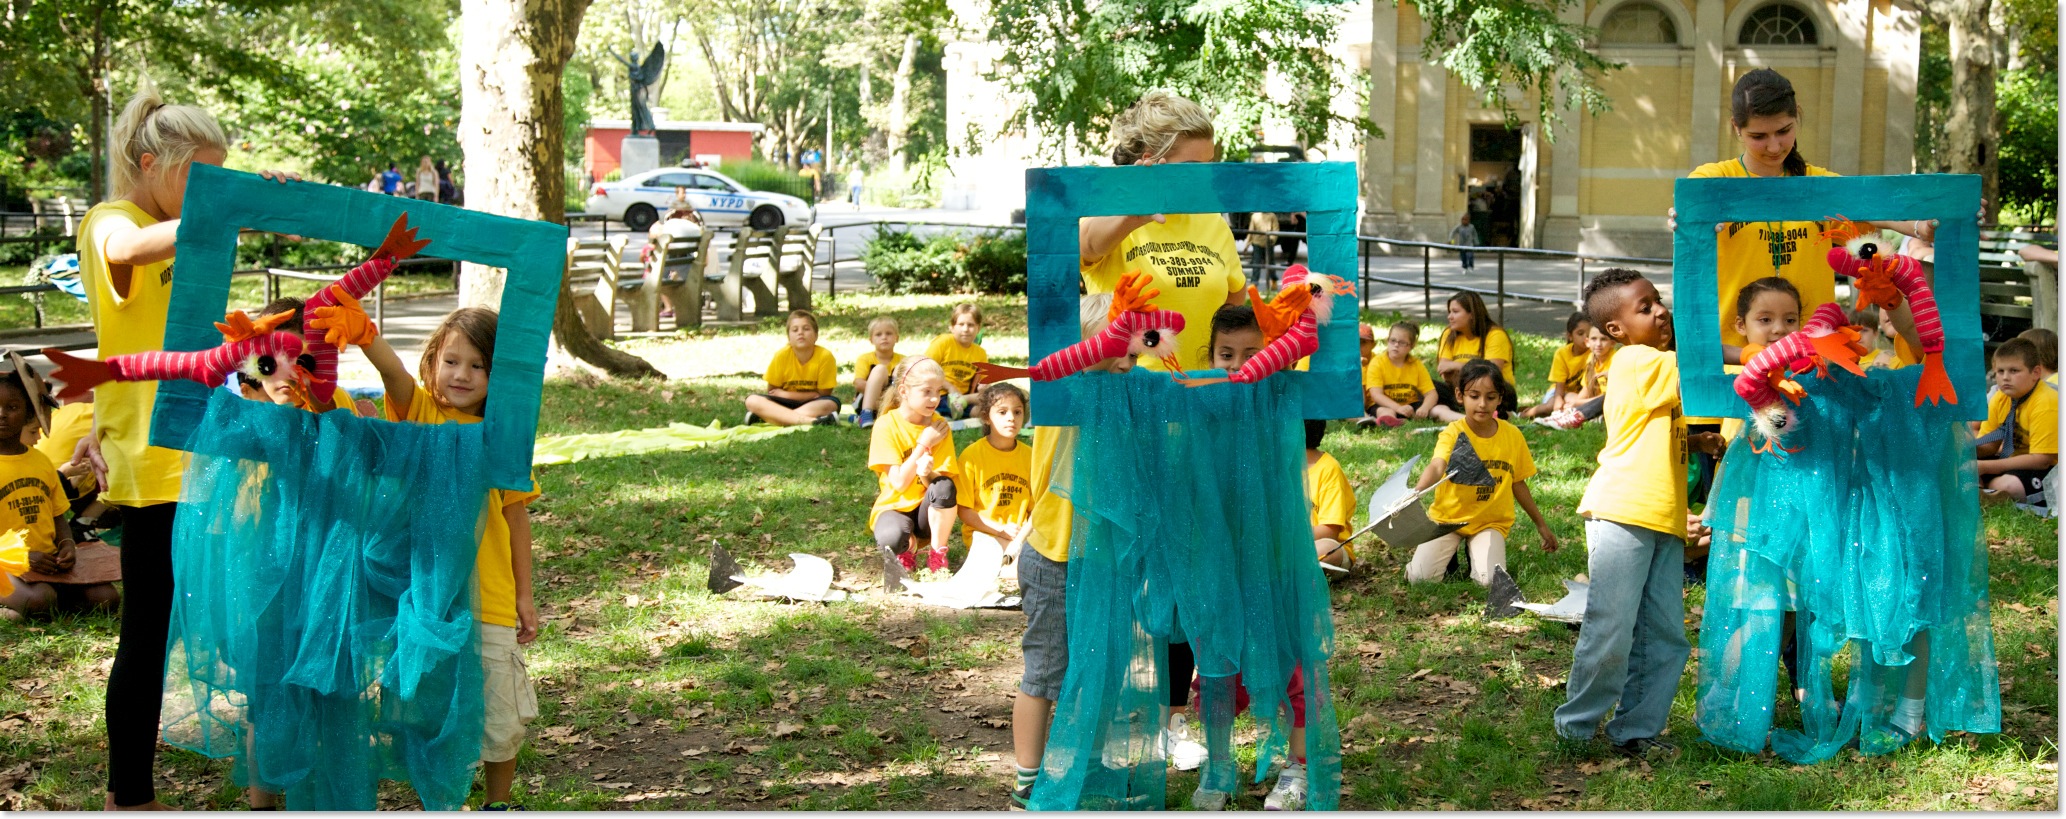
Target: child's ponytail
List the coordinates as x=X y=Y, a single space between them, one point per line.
x=171 y=133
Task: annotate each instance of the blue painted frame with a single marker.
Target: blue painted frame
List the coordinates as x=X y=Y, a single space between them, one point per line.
x=1952 y=200
x=220 y=201
x=1057 y=197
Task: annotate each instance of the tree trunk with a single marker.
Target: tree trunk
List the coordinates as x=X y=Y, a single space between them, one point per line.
x=1972 y=130
x=511 y=55
x=99 y=92
x=900 y=102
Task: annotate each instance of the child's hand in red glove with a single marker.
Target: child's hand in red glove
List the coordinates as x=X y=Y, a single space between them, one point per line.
x=346 y=323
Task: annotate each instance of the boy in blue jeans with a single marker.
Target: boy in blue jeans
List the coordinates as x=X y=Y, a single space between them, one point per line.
x=1633 y=648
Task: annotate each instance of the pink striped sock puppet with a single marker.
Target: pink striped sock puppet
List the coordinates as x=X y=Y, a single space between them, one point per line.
x=1767 y=376
x=1884 y=278
x=345 y=327
x=259 y=357
x=1132 y=327
x=1290 y=322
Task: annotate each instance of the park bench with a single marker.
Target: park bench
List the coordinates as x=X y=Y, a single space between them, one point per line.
x=677 y=272
x=62 y=207
x=785 y=255
x=603 y=261
x=2015 y=294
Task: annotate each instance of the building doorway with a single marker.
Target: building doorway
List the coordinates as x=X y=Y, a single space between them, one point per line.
x=1498 y=184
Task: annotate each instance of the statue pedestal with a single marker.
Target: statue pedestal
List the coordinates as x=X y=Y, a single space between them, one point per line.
x=639 y=154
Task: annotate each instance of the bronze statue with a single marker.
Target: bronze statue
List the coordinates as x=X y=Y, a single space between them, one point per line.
x=644 y=76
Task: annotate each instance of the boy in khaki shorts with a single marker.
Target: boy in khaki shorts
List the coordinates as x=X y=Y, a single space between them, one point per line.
x=509 y=621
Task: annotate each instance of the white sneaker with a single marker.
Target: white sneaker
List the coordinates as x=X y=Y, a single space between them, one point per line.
x=1180 y=744
x=1563 y=419
x=1290 y=792
x=1202 y=799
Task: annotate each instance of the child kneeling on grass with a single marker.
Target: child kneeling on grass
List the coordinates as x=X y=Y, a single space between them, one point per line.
x=34 y=513
x=994 y=487
x=1635 y=525
x=958 y=353
x=800 y=380
x=912 y=454
x=1489 y=465
x=1397 y=387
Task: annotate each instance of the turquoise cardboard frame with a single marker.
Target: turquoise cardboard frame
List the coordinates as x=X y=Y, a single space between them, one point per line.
x=219 y=202
x=1952 y=200
x=1057 y=197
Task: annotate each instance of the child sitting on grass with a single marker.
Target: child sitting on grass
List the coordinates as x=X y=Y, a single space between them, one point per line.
x=1635 y=524
x=2047 y=353
x=1591 y=399
x=958 y=353
x=1332 y=500
x=911 y=452
x=994 y=486
x=800 y=380
x=1567 y=368
x=1397 y=385
x=34 y=513
x=1488 y=465
x=2019 y=442
x=872 y=370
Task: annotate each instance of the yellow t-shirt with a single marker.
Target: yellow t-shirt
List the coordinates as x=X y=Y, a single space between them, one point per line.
x=1567 y=368
x=1405 y=383
x=1328 y=495
x=493 y=565
x=1192 y=260
x=1480 y=508
x=1602 y=369
x=959 y=362
x=68 y=424
x=1748 y=251
x=869 y=360
x=819 y=374
x=997 y=484
x=1458 y=347
x=1054 y=454
x=138 y=474
x=2037 y=421
x=1642 y=476
x=889 y=443
x=31 y=499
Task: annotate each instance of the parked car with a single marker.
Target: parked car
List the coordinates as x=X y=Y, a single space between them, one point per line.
x=641 y=199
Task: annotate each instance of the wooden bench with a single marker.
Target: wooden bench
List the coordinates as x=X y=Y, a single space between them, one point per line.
x=2016 y=294
x=785 y=255
x=602 y=260
x=62 y=207
x=677 y=272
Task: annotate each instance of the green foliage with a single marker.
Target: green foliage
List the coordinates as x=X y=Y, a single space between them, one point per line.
x=1489 y=44
x=575 y=88
x=1932 y=97
x=767 y=176
x=14 y=253
x=902 y=262
x=2028 y=100
x=40 y=157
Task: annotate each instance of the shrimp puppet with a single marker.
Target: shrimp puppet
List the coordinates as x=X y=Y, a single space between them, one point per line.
x=1132 y=327
x=1883 y=280
x=1768 y=372
x=350 y=325
x=1290 y=322
x=262 y=356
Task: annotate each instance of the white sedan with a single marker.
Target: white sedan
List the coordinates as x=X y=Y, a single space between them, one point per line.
x=643 y=198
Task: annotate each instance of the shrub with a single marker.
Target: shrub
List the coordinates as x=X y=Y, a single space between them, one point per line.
x=767 y=176
x=996 y=262
x=948 y=263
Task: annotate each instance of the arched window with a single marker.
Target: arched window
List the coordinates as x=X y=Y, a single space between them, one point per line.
x=1639 y=24
x=1777 y=24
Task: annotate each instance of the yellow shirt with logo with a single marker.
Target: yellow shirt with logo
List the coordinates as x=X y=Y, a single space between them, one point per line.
x=2037 y=420
x=1459 y=347
x=995 y=483
x=1748 y=251
x=1567 y=367
x=1054 y=456
x=138 y=474
x=890 y=441
x=958 y=360
x=1192 y=260
x=493 y=564
x=1328 y=494
x=1480 y=508
x=30 y=499
x=1405 y=383
x=819 y=373
x=869 y=360
x=1641 y=480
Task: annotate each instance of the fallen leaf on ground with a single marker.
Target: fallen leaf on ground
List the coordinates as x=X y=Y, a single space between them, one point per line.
x=783 y=729
x=1419 y=674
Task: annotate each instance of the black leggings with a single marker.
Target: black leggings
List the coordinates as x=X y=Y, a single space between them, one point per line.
x=1593 y=408
x=894 y=529
x=136 y=683
x=1181 y=667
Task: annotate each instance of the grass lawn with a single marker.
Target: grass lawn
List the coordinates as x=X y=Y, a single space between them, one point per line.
x=656 y=694
x=246 y=292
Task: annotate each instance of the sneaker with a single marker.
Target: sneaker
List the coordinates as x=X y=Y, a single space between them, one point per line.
x=1202 y=799
x=1290 y=792
x=1180 y=743
x=1022 y=798
x=864 y=419
x=909 y=559
x=1391 y=422
x=1647 y=749
x=936 y=560
x=750 y=420
x=503 y=806
x=1562 y=419
x=830 y=419
x=1366 y=422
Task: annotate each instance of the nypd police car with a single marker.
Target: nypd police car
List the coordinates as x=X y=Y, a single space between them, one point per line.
x=640 y=199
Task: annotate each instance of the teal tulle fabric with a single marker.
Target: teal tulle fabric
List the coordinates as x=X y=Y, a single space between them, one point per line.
x=323 y=633
x=1870 y=536
x=1191 y=523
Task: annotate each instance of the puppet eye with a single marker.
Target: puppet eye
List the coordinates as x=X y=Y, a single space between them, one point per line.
x=267 y=365
x=1863 y=248
x=1152 y=339
x=306 y=362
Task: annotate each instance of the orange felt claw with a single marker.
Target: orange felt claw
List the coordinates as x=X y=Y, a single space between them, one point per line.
x=989 y=373
x=401 y=241
x=79 y=375
x=1132 y=294
x=1789 y=388
x=237 y=326
x=1935 y=384
x=345 y=323
x=1839 y=348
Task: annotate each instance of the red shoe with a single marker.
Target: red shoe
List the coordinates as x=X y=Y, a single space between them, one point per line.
x=936 y=560
x=1390 y=421
x=909 y=559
